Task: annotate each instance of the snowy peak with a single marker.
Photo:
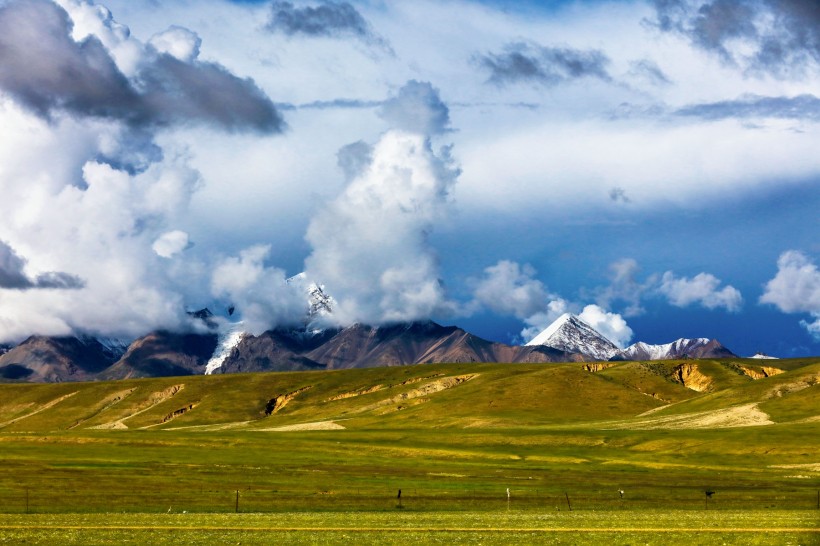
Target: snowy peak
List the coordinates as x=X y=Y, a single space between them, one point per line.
x=320 y=304
x=759 y=356
x=700 y=347
x=571 y=334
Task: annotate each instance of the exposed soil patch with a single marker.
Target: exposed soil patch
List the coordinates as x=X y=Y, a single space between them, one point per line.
x=762 y=373
x=276 y=403
x=153 y=399
x=688 y=375
x=318 y=425
x=105 y=404
x=176 y=413
x=746 y=415
x=598 y=366
x=42 y=408
x=426 y=389
x=353 y=394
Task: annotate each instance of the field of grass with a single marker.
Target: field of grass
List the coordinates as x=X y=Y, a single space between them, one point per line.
x=507 y=527
x=174 y=459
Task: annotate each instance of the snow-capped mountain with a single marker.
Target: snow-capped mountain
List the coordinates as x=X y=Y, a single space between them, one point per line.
x=763 y=356
x=570 y=333
x=700 y=347
x=320 y=304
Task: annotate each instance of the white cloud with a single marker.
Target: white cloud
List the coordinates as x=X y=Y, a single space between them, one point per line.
x=611 y=325
x=509 y=288
x=171 y=243
x=796 y=288
x=540 y=320
x=370 y=244
x=179 y=42
x=702 y=289
x=260 y=293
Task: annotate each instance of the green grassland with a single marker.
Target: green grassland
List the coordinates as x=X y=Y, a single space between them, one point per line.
x=337 y=446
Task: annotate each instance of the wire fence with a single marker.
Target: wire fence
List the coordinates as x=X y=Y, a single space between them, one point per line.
x=252 y=500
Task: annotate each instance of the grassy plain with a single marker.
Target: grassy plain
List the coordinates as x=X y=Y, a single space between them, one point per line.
x=119 y=462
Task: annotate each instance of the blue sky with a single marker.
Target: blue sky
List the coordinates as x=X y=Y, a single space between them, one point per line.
x=649 y=165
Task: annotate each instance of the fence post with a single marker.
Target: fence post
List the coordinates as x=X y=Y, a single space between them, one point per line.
x=568 y=503
x=26 y=500
x=237 y=502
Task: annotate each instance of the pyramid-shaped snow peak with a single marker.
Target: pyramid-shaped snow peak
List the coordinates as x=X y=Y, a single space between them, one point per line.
x=570 y=333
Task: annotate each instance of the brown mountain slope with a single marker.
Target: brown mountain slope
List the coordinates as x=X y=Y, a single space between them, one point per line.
x=43 y=359
x=161 y=354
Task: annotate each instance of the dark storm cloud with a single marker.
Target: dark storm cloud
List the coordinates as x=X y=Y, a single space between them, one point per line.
x=45 y=70
x=802 y=107
x=522 y=62
x=328 y=19
x=12 y=275
x=785 y=33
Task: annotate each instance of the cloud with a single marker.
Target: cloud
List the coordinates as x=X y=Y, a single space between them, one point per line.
x=779 y=37
x=611 y=325
x=178 y=42
x=796 y=289
x=796 y=286
x=702 y=289
x=13 y=276
x=370 y=246
x=328 y=19
x=802 y=107
x=649 y=72
x=46 y=70
x=417 y=108
x=624 y=286
x=260 y=293
x=509 y=288
x=171 y=243
x=529 y=62
x=619 y=194
x=536 y=323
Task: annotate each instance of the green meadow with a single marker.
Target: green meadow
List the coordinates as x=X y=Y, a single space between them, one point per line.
x=589 y=455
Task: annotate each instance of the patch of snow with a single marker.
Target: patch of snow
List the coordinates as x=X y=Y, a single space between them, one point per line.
x=763 y=356
x=228 y=338
x=570 y=333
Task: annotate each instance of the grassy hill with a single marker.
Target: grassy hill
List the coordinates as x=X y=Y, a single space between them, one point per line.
x=451 y=436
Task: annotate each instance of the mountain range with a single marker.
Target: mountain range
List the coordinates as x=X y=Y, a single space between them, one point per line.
x=227 y=349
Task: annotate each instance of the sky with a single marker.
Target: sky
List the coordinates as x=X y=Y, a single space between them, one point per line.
x=649 y=165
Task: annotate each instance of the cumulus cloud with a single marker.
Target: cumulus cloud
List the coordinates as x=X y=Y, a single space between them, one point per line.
x=171 y=243
x=533 y=63
x=417 y=108
x=796 y=286
x=796 y=289
x=328 y=19
x=46 y=70
x=178 y=42
x=509 y=288
x=775 y=36
x=260 y=292
x=370 y=245
x=702 y=289
x=611 y=325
